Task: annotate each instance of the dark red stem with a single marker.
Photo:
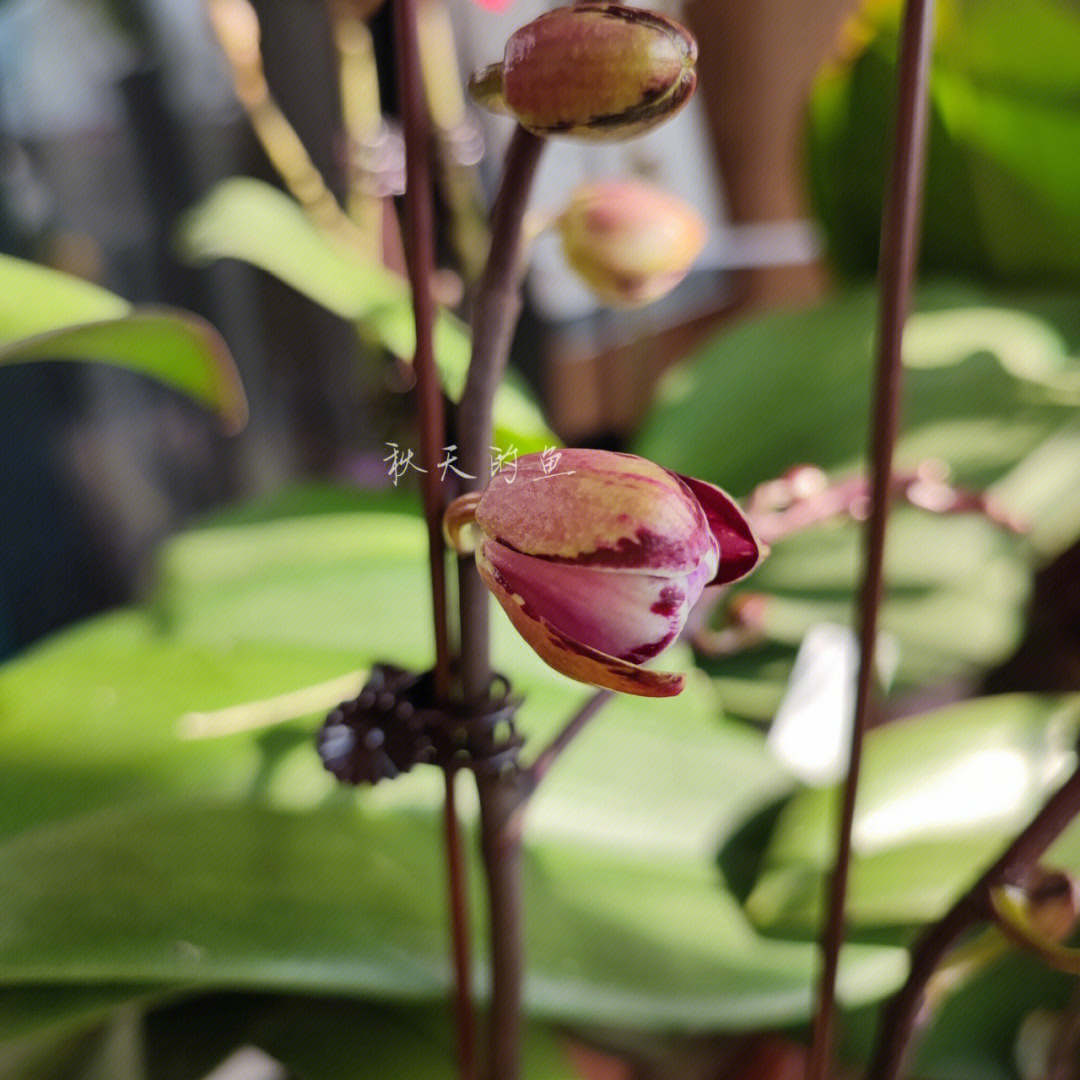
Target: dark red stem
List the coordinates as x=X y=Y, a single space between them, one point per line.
x=420 y=257
x=461 y=936
x=901 y=1015
x=899 y=254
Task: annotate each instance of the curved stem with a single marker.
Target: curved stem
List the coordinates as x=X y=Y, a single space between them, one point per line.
x=535 y=773
x=899 y=248
x=420 y=256
x=900 y=1017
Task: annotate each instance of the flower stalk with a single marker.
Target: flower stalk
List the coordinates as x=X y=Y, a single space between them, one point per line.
x=899 y=256
x=420 y=257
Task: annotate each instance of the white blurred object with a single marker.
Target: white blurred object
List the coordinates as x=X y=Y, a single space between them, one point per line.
x=811 y=732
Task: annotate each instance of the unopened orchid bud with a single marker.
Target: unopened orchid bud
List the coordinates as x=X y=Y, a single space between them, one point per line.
x=598 y=557
x=631 y=242
x=592 y=71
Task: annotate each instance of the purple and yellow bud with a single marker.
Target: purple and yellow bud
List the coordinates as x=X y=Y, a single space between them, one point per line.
x=598 y=557
x=593 y=71
x=629 y=241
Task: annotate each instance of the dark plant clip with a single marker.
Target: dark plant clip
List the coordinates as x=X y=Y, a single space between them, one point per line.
x=395 y=723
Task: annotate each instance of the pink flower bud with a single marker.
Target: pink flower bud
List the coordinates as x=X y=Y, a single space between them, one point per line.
x=592 y=71
x=597 y=559
x=631 y=242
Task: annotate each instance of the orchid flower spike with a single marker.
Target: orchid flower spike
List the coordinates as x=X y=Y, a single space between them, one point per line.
x=598 y=557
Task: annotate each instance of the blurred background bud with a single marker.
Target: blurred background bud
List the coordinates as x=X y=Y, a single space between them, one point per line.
x=631 y=242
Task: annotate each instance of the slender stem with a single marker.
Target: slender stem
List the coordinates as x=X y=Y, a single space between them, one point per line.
x=500 y=841
x=899 y=248
x=420 y=256
x=535 y=773
x=902 y=1013
x=495 y=314
x=460 y=935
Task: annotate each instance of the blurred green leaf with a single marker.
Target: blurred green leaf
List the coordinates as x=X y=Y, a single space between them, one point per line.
x=793 y=387
x=957 y=590
x=1002 y=192
x=251 y=221
x=939 y=797
x=231 y=895
x=47 y=315
x=231 y=861
x=95 y=716
x=984 y=393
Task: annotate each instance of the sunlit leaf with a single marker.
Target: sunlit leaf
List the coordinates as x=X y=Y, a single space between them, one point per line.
x=46 y=315
x=231 y=861
x=251 y=221
x=940 y=796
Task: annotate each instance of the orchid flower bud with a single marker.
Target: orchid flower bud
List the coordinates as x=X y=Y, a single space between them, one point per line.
x=593 y=71
x=598 y=557
x=631 y=242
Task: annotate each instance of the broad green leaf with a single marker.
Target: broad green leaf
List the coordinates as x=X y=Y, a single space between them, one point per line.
x=957 y=589
x=940 y=796
x=956 y=586
x=231 y=895
x=47 y=315
x=251 y=221
x=96 y=716
x=270 y=888
x=37 y=300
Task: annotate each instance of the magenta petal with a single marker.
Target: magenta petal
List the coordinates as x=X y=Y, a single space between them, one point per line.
x=632 y=617
x=740 y=550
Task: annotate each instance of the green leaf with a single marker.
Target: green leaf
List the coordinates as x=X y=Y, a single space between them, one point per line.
x=231 y=895
x=972 y=1036
x=957 y=590
x=956 y=586
x=251 y=221
x=1001 y=193
x=46 y=315
x=231 y=861
x=713 y=419
x=940 y=796
x=96 y=716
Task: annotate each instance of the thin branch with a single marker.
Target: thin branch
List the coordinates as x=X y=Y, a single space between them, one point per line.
x=899 y=247
x=535 y=773
x=900 y=1017
x=420 y=257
